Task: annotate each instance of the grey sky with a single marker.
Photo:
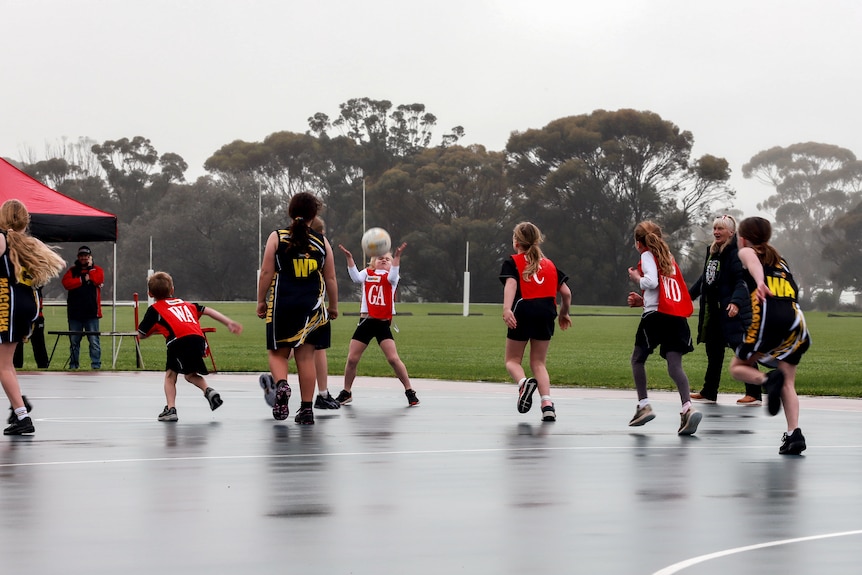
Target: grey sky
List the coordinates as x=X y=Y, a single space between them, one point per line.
x=741 y=75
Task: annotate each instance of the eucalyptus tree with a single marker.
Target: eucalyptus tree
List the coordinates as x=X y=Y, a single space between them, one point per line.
x=814 y=184
x=587 y=180
x=136 y=174
x=202 y=235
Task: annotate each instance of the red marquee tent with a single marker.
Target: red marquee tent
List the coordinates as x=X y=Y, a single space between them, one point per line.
x=53 y=216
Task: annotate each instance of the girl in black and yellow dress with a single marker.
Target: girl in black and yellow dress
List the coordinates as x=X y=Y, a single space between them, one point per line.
x=777 y=336
x=297 y=275
x=25 y=263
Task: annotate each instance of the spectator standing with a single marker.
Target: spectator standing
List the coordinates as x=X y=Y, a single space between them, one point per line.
x=84 y=282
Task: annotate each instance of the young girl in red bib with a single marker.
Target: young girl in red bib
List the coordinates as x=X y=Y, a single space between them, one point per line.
x=379 y=281
x=531 y=283
x=664 y=323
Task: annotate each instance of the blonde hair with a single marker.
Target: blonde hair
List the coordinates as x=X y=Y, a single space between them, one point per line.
x=27 y=254
x=318 y=225
x=528 y=237
x=649 y=234
x=727 y=222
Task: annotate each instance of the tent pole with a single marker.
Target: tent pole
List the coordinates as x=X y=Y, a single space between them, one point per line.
x=114 y=308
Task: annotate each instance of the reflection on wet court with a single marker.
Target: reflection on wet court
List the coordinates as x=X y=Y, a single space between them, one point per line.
x=460 y=484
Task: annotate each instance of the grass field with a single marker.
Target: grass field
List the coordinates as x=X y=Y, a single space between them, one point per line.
x=436 y=341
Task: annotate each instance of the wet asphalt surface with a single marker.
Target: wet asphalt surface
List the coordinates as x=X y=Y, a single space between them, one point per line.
x=459 y=484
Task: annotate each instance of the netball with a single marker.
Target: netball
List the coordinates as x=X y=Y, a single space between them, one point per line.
x=376 y=242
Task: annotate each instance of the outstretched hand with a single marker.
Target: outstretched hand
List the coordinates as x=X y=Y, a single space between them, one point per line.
x=345 y=251
x=399 y=250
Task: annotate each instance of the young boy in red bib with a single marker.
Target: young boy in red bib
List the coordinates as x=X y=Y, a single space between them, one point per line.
x=179 y=322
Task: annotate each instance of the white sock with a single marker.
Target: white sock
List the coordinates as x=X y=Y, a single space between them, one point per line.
x=21 y=412
x=685 y=407
x=522 y=381
x=643 y=403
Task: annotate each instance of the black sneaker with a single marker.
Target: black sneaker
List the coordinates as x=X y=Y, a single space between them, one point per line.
x=774 y=383
x=548 y=413
x=326 y=402
x=525 y=394
x=168 y=414
x=280 y=411
x=12 y=417
x=305 y=416
x=411 y=397
x=344 y=397
x=213 y=398
x=20 y=427
x=792 y=444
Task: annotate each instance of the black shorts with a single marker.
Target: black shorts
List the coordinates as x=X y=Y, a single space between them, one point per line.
x=369 y=328
x=186 y=355
x=535 y=320
x=669 y=332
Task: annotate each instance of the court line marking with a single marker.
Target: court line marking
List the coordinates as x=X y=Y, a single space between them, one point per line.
x=677 y=567
x=359 y=454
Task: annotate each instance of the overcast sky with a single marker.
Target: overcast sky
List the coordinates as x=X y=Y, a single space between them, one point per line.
x=194 y=75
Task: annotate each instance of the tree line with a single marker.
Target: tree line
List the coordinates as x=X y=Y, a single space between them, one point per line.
x=585 y=180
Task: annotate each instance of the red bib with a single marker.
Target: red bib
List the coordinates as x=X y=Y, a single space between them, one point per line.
x=673 y=298
x=378 y=295
x=541 y=284
x=181 y=316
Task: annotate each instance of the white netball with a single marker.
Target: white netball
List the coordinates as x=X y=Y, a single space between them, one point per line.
x=376 y=242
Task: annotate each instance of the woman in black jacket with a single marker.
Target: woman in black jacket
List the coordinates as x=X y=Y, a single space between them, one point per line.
x=725 y=309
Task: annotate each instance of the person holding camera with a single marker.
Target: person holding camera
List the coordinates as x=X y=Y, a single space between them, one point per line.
x=84 y=282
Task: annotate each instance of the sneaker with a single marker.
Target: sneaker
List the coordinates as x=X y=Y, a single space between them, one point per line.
x=411 y=397
x=344 y=397
x=326 y=402
x=774 y=383
x=642 y=416
x=792 y=444
x=280 y=410
x=689 y=421
x=214 y=398
x=168 y=414
x=749 y=401
x=305 y=416
x=525 y=394
x=548 y=413
x=699 y=397
x=12 y=417
x=20 y=427
x=268 y=386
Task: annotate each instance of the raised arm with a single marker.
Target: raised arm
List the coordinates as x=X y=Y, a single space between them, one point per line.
x=330 y=281
x=232 y=326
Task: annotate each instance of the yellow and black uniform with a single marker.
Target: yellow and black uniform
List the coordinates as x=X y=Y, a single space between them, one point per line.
x=295 y=310
x=19 y=306
x=19 y=302
x=777 y=330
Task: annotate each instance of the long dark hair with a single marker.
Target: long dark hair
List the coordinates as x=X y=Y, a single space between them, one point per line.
x=302 y=210
x=757 y=232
